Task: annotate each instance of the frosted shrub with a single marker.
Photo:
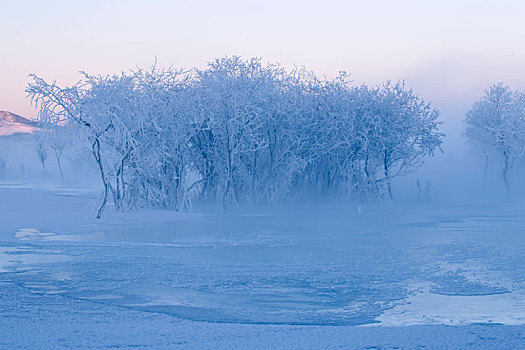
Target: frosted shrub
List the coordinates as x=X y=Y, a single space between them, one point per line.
x=238 y=132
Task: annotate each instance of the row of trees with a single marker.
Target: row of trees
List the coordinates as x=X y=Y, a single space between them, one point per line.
x=239 y=131
x=495 y=126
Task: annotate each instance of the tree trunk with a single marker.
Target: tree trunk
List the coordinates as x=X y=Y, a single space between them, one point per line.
x=59 y=165
x=96 y=152
x=486 y=169
x=505 y=170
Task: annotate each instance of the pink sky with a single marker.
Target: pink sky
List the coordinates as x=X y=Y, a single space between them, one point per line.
x=447 y=50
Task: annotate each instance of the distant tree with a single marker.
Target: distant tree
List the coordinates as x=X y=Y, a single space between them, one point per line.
x=496 y=125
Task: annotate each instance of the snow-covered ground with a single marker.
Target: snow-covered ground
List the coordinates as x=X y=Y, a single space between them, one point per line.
x=394 y=275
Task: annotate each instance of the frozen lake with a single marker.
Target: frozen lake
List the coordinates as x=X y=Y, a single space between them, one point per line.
x=393 y=265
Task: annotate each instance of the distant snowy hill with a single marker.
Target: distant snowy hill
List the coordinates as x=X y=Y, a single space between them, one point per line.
x=11 y=123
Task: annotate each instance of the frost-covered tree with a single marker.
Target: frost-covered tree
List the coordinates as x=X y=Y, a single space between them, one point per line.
x=121 y=117
x=365 y=137
x=246 y=139
x=405 y=131
x=496 y=126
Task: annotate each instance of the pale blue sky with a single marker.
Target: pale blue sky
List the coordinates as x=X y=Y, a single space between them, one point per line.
x=447 y=50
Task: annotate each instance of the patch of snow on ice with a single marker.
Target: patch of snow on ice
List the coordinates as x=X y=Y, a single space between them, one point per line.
x=5 y=258
x=425 y=308
x=33 y=234
x=12 y=258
